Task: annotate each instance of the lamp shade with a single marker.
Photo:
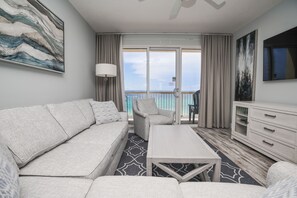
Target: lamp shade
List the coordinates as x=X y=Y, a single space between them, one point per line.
x=106 y=70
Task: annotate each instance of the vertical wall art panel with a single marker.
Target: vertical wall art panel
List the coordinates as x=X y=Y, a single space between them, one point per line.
x=31 y=35
x=245 y=76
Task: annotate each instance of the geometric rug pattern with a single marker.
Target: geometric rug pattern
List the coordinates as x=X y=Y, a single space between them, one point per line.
x=133 y=163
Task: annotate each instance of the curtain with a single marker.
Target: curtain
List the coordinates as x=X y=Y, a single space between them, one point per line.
x=215 y=91
x=108 y=50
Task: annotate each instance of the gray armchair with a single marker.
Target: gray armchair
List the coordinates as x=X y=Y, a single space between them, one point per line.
x=146 y=113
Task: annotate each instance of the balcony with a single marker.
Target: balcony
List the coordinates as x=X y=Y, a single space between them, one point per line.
x=164 y=100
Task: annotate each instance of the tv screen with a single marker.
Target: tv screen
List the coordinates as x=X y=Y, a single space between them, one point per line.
x=280 y=56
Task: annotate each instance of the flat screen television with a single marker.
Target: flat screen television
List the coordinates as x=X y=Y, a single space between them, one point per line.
x=280 y=56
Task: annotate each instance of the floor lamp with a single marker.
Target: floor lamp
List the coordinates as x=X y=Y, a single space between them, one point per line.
x=106 y=70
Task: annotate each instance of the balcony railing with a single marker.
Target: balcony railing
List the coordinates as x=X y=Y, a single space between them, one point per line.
x=164 y=100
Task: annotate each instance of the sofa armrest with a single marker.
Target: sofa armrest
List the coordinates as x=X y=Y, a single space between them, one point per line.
x=280 y=171
x=167 y=113
x=124 y=116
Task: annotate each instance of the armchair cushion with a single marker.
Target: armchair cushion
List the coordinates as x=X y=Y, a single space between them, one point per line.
x=148 y=106
x=105 y=112
x=160 y=119
x=167 y=113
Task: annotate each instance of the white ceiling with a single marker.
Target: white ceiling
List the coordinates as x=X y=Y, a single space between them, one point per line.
x=152 y=16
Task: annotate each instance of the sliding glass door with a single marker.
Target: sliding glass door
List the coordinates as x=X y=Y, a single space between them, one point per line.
x=162 y=77
x=170 y=75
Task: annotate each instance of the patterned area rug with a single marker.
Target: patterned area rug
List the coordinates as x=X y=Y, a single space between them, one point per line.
x=133 y=162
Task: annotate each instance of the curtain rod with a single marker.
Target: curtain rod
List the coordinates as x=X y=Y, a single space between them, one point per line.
x=166 y=33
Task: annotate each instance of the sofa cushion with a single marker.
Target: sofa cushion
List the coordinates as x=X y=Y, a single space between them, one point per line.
x=222 y=190
x=279 y=171
x=159 y=119
x=134 y=187
x=9 y=176
x=69 y=117
x=29 y=132
x=124 y=116
x=105 y=112
x=147 y=106
x=108 y=134
x=86 y=109
x=5 y=152
x=50 y=187
x=70 y=160
x=286 y=188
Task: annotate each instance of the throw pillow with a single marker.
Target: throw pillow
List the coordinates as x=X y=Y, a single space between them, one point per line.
x=105 y=112
x=9 y=176
x=286 y=188
x=148 y=106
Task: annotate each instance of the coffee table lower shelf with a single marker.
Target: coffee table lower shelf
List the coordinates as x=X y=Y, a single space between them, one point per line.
x=201 y=169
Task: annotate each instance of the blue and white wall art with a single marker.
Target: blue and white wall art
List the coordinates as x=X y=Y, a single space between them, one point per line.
x=31 y=35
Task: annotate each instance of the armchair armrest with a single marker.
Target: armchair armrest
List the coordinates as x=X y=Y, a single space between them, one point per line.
x=167 y=113
x=124 y=116
x=280 y=171
x=138 y=113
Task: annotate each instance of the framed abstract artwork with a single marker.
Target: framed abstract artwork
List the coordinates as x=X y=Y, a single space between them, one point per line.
x=31 y=35
x=245 y=67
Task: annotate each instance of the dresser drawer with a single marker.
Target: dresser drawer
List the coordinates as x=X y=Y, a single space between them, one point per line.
x=283 y=135
x=272 y=146
x=282 y=119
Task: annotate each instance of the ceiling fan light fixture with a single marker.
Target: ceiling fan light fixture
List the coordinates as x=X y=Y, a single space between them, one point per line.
x=188 y=3
x=217 y=4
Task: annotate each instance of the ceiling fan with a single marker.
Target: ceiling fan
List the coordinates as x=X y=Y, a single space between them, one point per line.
x=189 y=3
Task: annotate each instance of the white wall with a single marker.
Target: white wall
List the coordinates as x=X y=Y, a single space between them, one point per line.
x=24 y=86
x=281 y=18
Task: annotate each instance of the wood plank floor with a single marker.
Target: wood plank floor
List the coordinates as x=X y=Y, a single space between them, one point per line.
x=251 y=161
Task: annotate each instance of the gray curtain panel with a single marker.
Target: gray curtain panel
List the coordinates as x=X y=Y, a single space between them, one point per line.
x=215 y=91
x=108 y=50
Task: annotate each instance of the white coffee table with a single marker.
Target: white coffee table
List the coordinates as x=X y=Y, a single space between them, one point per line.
x=180 y=144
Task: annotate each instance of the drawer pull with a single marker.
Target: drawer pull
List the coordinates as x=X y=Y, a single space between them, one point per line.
x=268 y=143
x=270 y=116
x=268 y=129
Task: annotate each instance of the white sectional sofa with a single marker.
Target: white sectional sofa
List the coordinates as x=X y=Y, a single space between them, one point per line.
x=62 y=140
x=59 y=152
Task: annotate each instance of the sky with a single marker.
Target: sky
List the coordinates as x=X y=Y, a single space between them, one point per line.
x=161 y=70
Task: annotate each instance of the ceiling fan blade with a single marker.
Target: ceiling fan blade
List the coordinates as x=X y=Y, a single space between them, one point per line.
x=215 y=5
x=175 y=9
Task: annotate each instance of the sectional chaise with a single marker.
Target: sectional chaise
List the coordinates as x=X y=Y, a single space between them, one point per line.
x=59 y=152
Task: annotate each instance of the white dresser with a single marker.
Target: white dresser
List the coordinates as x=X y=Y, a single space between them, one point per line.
x=268 y=128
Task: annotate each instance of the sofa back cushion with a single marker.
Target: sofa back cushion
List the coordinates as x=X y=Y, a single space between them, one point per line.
x=86 y=109
x=29 y=132
x=105 y=112
x=148 y=106
x=70 y=117
x=9 y=174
